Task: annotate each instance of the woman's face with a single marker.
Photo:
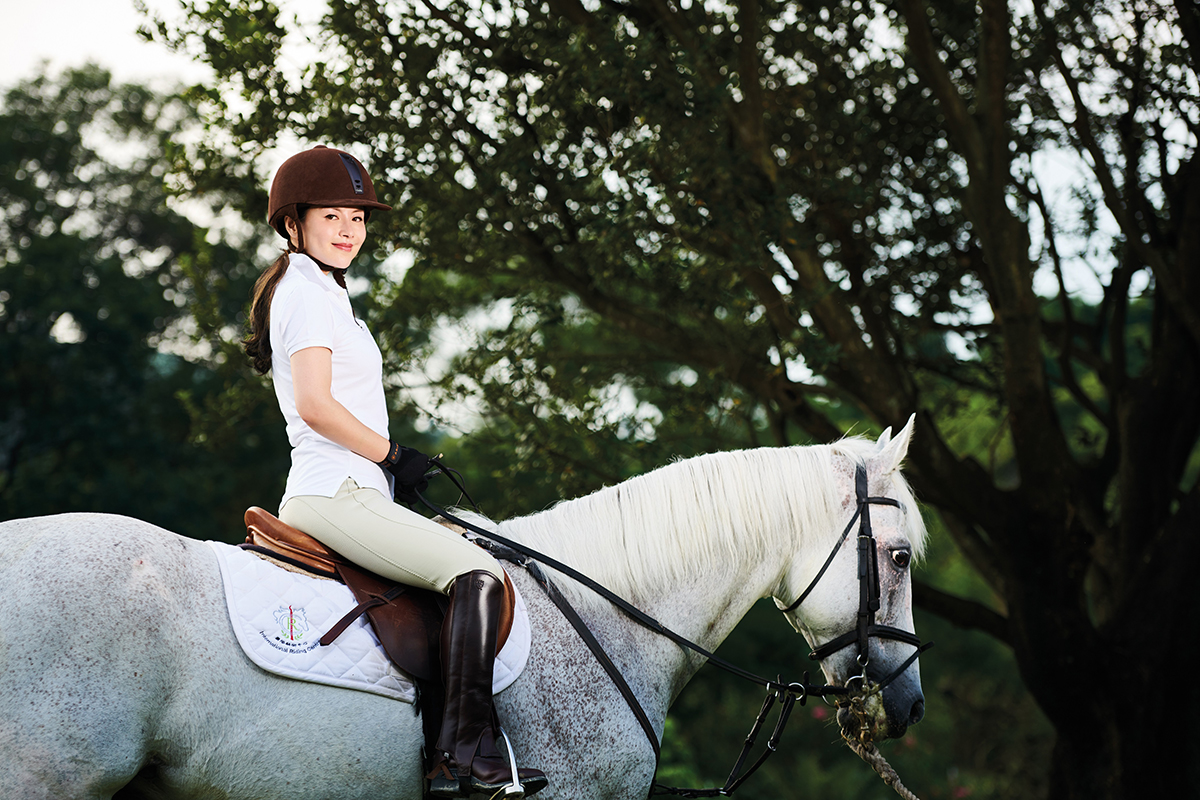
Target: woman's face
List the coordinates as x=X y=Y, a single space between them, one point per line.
x=332 y=236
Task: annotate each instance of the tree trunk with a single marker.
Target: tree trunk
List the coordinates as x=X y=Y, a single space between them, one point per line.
x=1121 y=699
x=1135 y=736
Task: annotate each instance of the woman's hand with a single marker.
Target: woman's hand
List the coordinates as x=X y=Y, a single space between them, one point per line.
x=408 y=467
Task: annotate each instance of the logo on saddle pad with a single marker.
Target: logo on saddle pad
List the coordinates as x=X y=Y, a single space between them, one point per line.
x=293 y=626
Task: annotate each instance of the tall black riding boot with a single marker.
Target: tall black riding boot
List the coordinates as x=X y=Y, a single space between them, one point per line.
x=469 y=728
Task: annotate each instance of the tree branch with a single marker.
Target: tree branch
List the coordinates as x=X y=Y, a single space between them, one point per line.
x=749 y=124
x=961 y=612
x=1189 y=23
x=1135 y=233
x=923 y=51
x=995 y=53
x=1165 y=570
x=866 y=373
x=966 y=381
x=1065 y=368
x=573 y=10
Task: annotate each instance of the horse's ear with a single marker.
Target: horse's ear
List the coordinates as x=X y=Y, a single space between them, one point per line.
x=892 y=451
x=883 y=439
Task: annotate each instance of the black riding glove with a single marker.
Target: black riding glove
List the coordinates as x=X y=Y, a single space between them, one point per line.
x=408 y=468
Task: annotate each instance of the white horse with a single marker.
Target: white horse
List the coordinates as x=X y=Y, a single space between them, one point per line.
x=120 y=676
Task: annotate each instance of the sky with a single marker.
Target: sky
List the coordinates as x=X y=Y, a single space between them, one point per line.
x=68 y=33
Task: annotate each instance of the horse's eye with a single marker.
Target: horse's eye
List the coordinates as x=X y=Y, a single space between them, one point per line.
x=902 y=558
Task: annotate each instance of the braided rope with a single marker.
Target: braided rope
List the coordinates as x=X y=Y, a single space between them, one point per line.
x=861 y=741
x=869 y=753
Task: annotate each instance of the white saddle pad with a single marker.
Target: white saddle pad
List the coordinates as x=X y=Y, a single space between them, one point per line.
x=279 y=616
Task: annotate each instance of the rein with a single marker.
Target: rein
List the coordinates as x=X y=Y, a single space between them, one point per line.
x=784 y=693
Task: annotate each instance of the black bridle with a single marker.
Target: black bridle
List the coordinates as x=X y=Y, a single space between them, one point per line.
x=868 y=590
x=786 y=693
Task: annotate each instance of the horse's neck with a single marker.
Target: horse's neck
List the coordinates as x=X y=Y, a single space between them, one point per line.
x=697 y=571
x=706 y=607
x=694 y=544
x=705 y=611
x=703 y=607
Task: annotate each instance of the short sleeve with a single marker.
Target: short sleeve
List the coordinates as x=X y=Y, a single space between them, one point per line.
x=301 y=317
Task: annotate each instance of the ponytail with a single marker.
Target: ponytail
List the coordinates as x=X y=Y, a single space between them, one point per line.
x=258 y=343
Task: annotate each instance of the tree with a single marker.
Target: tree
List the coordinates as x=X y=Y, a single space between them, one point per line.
x=783 y=216
x=102 y=376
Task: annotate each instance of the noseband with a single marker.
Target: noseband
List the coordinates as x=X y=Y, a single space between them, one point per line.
x=868 y=590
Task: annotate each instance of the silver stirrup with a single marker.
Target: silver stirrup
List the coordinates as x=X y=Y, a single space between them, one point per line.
x=515 y=788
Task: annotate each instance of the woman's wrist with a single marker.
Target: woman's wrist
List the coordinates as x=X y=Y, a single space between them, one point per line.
x=393 y=454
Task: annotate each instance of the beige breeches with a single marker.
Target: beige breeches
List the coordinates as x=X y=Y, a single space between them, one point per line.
x=386 y=538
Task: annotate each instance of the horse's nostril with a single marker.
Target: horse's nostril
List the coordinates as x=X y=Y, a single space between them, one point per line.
x=917 y=713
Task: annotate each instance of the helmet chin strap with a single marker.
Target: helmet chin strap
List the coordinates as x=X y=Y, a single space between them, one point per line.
x=338 y=273
x=297 y=246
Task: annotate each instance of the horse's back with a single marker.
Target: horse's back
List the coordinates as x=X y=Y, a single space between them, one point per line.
x=83 y=599
x=119 y=672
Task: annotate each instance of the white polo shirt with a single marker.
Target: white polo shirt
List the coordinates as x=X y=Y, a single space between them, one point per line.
x=309 y=309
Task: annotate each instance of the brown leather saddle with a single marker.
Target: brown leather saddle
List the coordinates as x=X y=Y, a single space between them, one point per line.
x=407 y=620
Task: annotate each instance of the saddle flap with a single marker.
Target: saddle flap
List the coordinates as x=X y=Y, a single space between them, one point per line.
x=409 y=626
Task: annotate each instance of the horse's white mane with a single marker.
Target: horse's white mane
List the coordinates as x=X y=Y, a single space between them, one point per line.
x=692 y=514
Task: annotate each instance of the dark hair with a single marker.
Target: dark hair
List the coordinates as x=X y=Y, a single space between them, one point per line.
x=258 y=343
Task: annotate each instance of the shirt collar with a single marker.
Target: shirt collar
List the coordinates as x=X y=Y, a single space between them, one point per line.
x=308 y=268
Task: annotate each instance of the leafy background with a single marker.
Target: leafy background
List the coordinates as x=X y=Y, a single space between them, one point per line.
x=623 y=236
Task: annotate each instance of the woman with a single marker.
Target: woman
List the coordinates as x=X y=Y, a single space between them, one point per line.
x=328 y=377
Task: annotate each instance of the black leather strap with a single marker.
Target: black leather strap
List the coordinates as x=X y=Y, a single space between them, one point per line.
x=821 y=572
x=638 y=615
x=597 y=649
x=850 y=637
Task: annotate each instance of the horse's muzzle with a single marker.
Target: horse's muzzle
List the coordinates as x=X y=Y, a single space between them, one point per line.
x=888 y=717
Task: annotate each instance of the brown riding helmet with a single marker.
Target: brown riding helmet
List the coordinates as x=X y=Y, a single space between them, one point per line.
x=321 y=177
